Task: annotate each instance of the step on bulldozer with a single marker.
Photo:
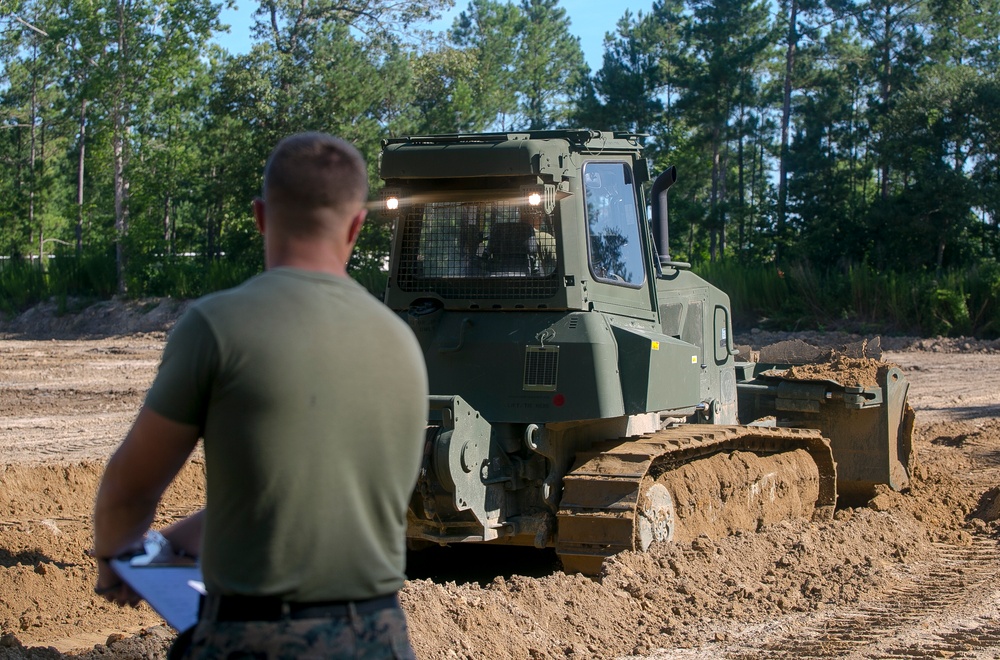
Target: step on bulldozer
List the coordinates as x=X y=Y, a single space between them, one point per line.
x=586 y=391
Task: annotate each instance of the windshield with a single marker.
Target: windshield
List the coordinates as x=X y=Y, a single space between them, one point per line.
x=613 y=224
x=493 y=249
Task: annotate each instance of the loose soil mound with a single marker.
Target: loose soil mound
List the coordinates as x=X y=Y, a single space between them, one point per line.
x=46 y=572
x=865 y=372
x=109 y=318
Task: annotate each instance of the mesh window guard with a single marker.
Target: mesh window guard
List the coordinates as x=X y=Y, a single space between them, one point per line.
x=478 y=250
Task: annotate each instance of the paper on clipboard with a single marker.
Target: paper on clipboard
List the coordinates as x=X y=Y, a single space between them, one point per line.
x=172 y=589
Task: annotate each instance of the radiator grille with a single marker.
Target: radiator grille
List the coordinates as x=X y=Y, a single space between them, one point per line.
x=541 y=366
x=478 y=250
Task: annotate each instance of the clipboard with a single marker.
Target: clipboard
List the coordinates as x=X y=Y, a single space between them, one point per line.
x=172 y=585
x=172 y=590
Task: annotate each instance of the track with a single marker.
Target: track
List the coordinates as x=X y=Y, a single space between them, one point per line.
x=962 y=580
x=618 y=496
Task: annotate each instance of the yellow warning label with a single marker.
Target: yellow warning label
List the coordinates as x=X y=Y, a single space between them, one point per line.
x=694 y=359
x=656 y=345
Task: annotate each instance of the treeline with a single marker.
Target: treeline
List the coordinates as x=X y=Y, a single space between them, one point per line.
x=827 y=137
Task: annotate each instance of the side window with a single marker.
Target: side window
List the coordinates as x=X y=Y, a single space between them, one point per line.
x=613 y=224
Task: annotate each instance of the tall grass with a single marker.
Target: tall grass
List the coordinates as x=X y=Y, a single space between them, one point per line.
x=859 y=299
x=372 y=278
x=90 y=275
x=22 y=284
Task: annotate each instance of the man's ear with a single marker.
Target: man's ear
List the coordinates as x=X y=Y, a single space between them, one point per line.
x=355 y=228
x=258 y=214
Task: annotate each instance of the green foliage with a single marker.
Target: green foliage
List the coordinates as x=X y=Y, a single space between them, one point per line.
x=861 y=299
x=983 y=298
x=624 y=93
x=22 y=284
x=91 y=274
x=507 y=67
x=947 y=313
x=449 y=86
x=484 y=39
x=756 y=292
x=227 y=273
x=373 y=279
x=550 y=64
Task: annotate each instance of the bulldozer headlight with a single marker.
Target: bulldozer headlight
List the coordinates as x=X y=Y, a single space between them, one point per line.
x=392 y=201
x=540 y=197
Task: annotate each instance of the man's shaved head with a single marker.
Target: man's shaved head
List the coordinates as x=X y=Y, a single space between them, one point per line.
x=312 y=172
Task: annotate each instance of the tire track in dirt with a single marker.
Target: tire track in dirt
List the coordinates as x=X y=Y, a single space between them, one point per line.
x=70 y=400
x=946 y=606
x=946 y=384
x=945 y=591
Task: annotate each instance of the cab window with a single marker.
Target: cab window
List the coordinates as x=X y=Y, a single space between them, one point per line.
x=613 y=224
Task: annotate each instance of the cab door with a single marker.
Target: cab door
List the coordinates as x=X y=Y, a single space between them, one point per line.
x=616 y=252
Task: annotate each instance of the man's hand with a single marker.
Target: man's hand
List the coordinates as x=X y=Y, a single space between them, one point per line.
x=112 y=588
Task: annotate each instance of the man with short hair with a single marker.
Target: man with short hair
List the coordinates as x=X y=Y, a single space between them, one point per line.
x=311 y=398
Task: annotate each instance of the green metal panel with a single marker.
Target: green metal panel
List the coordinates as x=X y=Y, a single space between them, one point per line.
x=486 y=355
x=658 y=372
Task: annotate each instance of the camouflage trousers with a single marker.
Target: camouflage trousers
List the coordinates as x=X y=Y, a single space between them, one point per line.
x=378 y=635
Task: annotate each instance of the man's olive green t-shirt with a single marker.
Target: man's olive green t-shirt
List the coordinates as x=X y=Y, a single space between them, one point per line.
x=311 y=397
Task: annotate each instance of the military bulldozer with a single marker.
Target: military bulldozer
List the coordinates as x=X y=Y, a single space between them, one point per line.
x=585 y=389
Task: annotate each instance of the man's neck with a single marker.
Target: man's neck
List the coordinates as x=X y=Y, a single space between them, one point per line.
x=311 y=256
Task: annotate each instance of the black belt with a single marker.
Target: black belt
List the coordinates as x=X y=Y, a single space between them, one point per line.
x=264 y=608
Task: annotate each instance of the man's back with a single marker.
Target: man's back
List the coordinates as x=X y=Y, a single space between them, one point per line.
x=311 y=399
x=311 y=396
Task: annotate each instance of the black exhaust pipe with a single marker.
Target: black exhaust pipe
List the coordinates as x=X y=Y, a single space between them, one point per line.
x=658 y=199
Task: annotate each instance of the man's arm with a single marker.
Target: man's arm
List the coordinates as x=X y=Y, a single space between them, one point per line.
x=185 y=534
x=140 y=470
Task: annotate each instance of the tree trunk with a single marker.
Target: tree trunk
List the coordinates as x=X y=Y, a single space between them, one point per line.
x=79 y=178
x=168 y=234
x=786 y=120
x=32 y=152
x=741 y=192
x=41 y=220
x=121 y=208
x=714 y=203
x=885 y=92
x=723 y=196
x=119 y=128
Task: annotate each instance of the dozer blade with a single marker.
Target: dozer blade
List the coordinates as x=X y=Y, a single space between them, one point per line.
x=869 y=423
x=682 y=482
x=873 y=445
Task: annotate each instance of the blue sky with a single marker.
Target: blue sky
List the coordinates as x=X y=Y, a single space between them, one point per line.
x=589 y=20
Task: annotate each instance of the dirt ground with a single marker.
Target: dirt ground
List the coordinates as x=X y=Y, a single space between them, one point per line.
x=910 y=575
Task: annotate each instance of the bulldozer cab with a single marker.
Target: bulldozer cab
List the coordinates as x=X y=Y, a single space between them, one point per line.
x=512 y=221
x=551 y=228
